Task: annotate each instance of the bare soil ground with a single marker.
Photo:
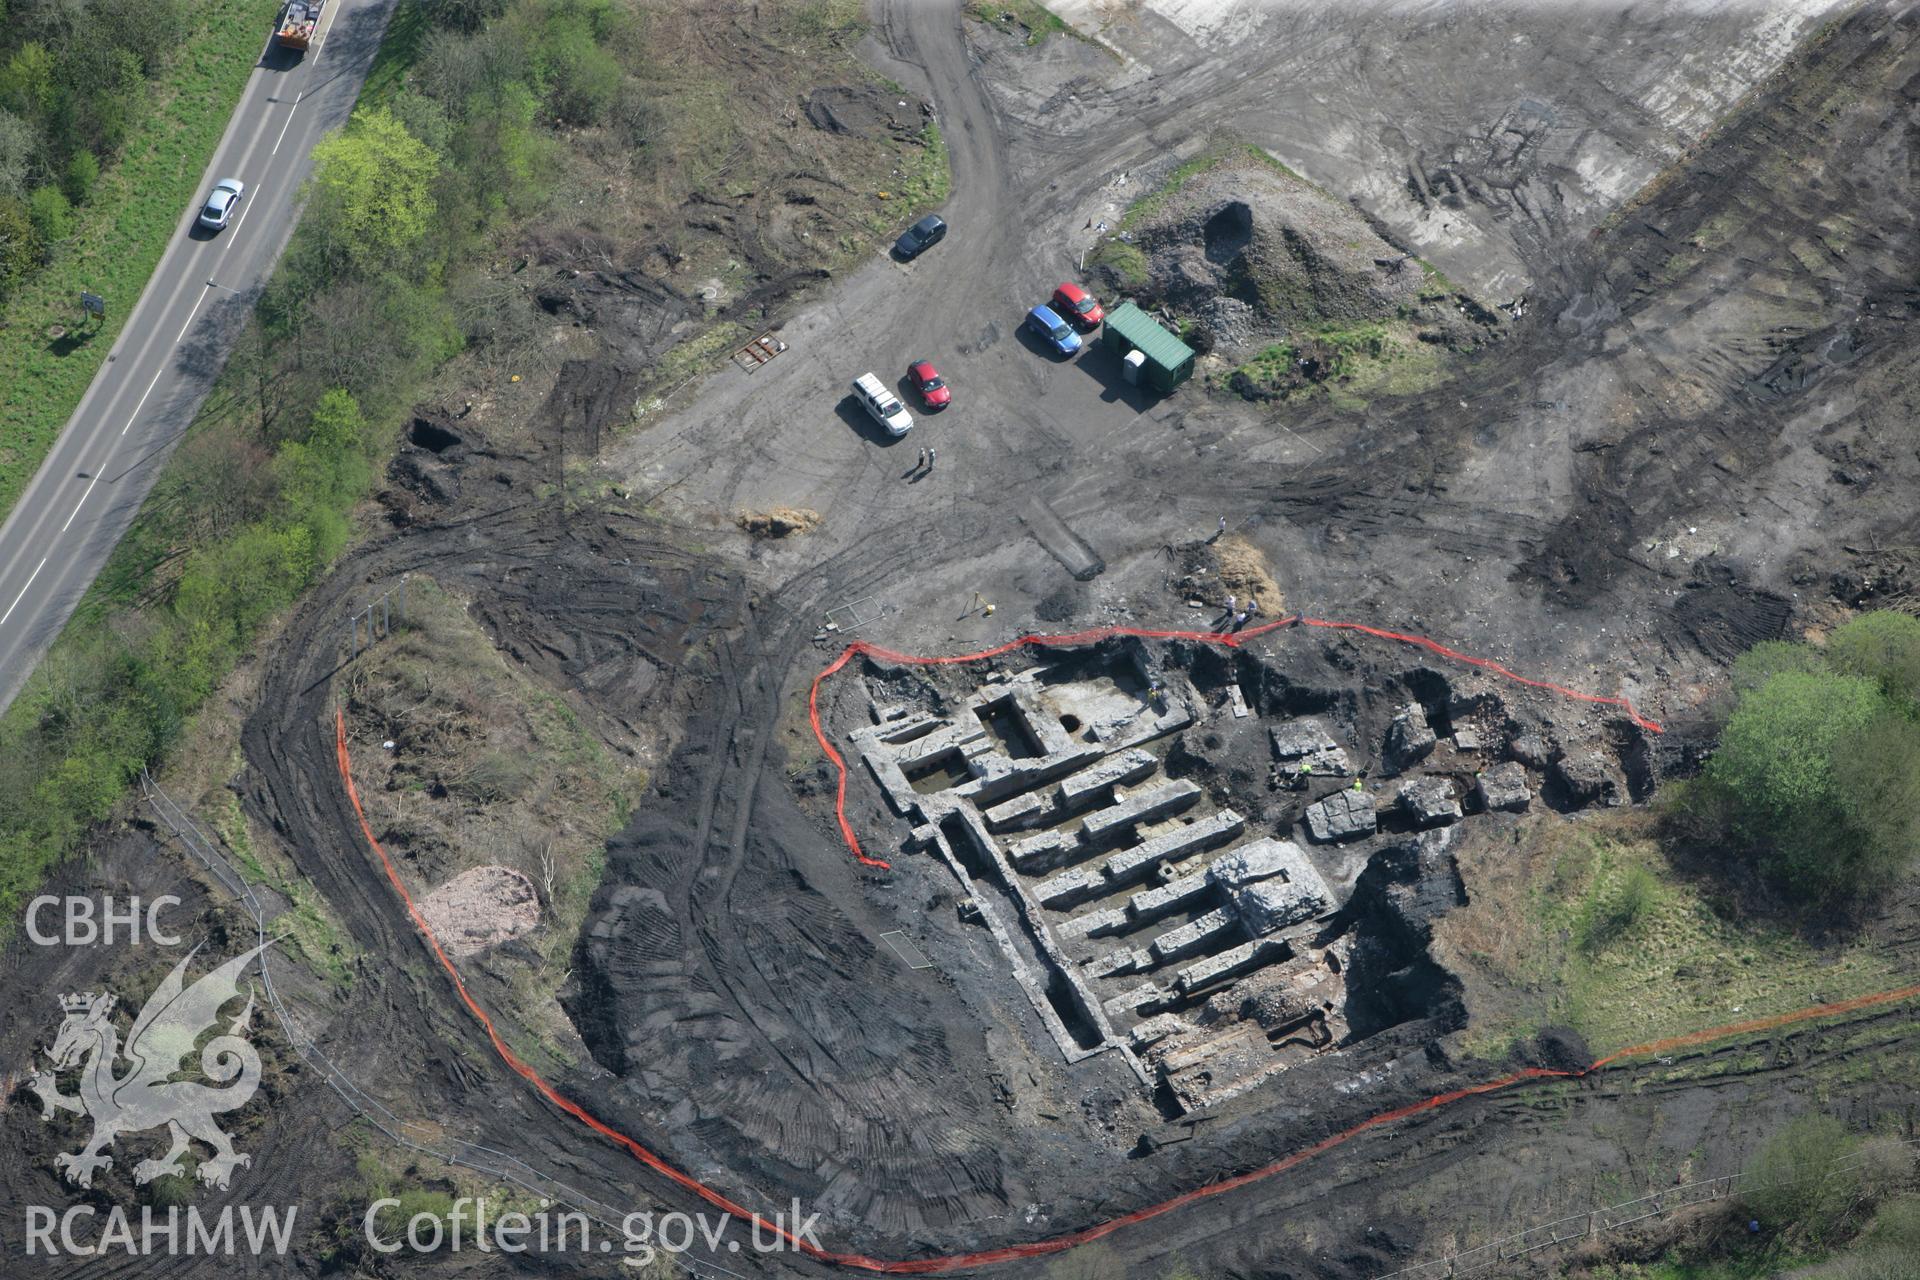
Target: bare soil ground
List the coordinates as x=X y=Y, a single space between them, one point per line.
x=1697 y=436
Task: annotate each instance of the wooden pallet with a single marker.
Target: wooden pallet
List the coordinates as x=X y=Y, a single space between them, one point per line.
x=759 y=351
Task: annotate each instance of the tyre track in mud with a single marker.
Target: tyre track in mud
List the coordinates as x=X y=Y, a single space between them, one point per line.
x=400 y=999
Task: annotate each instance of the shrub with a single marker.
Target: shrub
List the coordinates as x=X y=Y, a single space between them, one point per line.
x=83 y=171
x=52 y=217
x=1883 y=647
x=27 y=82
x=1770 y=658
x=1801 y=1182
x=1897 y=1225
x=461 y=15
x=1873 y=1264
x=1614 y=906
x=19 y=243
x=17 y=147
x=1817 y=773
x=1877 y=774
x=583 y=78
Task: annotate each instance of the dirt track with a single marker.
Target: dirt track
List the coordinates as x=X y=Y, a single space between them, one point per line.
x=1675 y=385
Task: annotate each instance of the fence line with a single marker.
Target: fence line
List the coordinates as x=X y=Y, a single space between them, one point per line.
x=491 y=1162
x=379 y=619
x=1594 y=1222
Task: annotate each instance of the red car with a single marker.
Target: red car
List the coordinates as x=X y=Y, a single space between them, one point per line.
x=1077 y=305
x=934 y=392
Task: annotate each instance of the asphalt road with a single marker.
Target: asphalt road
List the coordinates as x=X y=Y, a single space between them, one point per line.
x=86 y=493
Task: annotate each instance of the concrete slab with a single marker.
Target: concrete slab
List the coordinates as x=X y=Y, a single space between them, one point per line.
x=1200 y=934
x=1150 y=804
x=1122 y=768
x=1272 y=905
x=1344 y=815
x=1131 y=864
x=1151 y=904
x=1228 y=964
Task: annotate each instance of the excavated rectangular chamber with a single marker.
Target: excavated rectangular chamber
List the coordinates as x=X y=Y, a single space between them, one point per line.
x=1140 y=914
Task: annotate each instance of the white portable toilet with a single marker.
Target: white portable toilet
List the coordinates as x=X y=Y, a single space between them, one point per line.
x=1131 y=364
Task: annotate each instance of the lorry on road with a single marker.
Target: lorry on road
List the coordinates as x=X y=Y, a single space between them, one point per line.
x=299 y=19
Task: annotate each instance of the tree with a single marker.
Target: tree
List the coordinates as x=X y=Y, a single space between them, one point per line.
x=1878 y=771
x=100 y=88
x=27 y=81
x=331 y=345
x=1883 y=646
x=322 y=475
x=577 y=75
x=1775 y=755
x=147 y=29
x=1817 y=774
x=1770 y=658
x=461 y=15
x=373 y=194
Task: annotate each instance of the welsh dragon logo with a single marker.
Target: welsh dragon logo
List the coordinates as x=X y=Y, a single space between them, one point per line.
x=145 y=1095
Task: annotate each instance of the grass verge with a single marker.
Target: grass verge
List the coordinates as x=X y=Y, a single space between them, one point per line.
x=1032 y=23
x=1587 y=927
x=123 y=229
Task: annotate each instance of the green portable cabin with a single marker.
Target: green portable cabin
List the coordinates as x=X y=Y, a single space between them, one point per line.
x=1148 y=354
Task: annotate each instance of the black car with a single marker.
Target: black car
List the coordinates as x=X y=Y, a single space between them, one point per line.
x=922 y=235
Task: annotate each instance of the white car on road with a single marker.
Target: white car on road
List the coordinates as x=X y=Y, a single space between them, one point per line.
x=221 y=204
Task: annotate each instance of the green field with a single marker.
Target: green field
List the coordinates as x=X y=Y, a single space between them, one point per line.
x=122 y=230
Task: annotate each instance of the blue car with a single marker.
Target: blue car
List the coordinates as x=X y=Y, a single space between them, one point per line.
x=1056 y=332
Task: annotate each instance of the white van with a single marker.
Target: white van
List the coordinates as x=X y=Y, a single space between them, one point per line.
x=883 y=405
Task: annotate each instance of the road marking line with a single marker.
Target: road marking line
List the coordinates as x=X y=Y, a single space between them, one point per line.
x=283 y=128
x=23 y=592
x=246 y=207
x=190 y=315
x=326 y=28
x=82 y=502
x=143 y=397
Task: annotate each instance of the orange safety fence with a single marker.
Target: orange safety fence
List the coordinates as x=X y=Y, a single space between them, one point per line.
x=1061 y=1243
